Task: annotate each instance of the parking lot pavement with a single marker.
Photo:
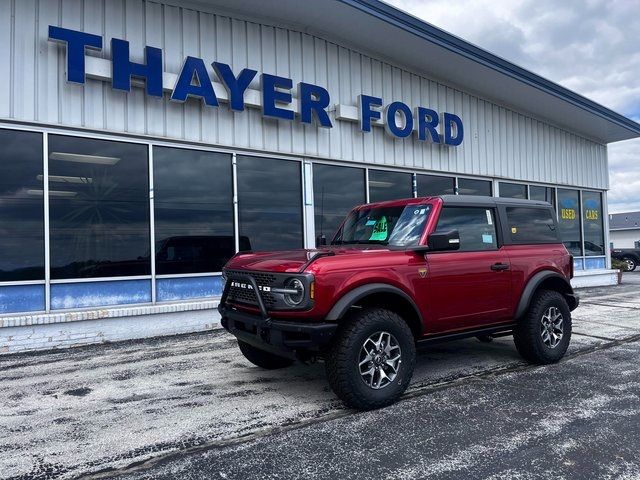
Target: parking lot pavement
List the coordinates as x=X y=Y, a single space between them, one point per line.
x=105 y=408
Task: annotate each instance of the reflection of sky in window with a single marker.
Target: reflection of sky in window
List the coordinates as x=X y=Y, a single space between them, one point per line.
x=410 y=225
x=270 y=202
x=21 y=206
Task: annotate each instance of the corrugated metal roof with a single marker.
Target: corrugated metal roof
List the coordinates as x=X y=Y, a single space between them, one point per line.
x=623 y=221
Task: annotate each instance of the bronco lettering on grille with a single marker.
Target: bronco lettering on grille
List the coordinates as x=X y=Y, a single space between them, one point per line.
x=247 y=286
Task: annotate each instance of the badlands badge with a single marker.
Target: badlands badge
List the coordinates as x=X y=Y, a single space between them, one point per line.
x=422 y=272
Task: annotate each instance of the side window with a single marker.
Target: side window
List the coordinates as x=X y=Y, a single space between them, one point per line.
x=477 y=227
x=531 y=225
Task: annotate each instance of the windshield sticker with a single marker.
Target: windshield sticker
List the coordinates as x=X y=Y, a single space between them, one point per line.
x=487 y=238
x=489 y=220
x=380 y=230
x=370 y=222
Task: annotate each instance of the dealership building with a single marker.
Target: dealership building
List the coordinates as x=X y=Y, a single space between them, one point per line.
x=143 y=143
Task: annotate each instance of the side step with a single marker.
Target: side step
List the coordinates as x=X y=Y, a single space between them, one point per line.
x=494 y=332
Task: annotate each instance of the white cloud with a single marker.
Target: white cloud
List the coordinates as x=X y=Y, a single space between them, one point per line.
x=589 y=46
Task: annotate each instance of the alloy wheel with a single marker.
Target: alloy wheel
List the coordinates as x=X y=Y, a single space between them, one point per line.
x=552 y=327
x=379 y=360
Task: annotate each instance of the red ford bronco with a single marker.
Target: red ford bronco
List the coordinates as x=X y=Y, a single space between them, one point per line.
x=399 y=273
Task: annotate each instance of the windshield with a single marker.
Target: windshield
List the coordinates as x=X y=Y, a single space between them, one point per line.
x=397 y=226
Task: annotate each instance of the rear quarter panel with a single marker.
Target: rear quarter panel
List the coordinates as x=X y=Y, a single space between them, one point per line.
x=527 y=260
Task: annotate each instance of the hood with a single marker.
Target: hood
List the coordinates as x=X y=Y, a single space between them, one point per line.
x=289 y=261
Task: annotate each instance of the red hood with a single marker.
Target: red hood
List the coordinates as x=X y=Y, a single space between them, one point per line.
x=289 y=261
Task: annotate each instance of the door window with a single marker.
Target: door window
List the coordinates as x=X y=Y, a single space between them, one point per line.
x=477 y=227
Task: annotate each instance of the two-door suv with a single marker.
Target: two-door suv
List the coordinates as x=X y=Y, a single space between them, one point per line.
x=399 y=273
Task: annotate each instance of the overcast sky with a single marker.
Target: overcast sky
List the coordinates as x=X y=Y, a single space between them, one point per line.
x=589 y=46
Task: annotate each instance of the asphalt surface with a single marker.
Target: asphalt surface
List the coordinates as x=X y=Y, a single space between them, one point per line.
x=192 y=407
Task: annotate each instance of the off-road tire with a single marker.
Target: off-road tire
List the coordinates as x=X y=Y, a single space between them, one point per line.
x=630 y=264
x=263 y=359
x=527 y=334
x=342 y=358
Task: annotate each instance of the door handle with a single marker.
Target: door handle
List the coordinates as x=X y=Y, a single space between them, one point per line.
x=497 y=267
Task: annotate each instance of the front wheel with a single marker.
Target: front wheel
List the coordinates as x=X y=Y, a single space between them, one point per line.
x=629 y=264
x=542 y=336
x=370 y=361
x=263 y=359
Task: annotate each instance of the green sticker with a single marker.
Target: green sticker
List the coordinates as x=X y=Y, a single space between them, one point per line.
x=380 y=230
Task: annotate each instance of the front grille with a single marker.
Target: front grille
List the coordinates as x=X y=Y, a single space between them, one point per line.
x=248 y=296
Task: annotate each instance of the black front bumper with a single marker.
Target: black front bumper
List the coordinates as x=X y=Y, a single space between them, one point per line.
x=290 y=339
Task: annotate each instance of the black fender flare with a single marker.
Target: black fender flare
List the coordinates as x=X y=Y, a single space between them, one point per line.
x=351 y=297
x=533 y=284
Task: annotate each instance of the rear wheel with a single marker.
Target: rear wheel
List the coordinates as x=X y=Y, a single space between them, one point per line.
x=630 y=264
x=542 y=336
x=263 y=359
x=370 y=361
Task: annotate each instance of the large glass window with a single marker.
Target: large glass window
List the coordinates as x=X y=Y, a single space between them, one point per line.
x=476 y=226
x=513 y=190
x=389 y=185
x=269 y=204
x=431 y=185
x=470 y=186
x=193 y=203
x=542 y=194
x=336 y=190
x=98 y=208
x=21 y=206
x=569 y=220
x=593 y=227
x=531 y=225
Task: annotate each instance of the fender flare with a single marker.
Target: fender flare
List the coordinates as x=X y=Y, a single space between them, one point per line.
x=532 y=285
x=351 y=297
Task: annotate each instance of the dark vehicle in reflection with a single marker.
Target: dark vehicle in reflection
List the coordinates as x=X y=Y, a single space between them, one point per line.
x=174 y=255
x=189 y=254
x=589 y=247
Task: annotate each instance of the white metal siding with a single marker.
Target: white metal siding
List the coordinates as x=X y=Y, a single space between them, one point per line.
x=498 y=142
x=624 y=238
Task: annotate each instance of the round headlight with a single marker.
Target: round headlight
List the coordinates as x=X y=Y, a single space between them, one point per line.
x=297 y=298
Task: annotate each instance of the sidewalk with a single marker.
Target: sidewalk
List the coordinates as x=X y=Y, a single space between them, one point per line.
x=89 y=409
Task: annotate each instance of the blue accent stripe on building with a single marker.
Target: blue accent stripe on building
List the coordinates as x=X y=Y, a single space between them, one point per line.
x=169 y=289
x=22 y=298
x=98 y=294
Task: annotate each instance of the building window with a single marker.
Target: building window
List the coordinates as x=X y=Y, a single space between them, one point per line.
x=542 y=194
x=269 y=204
x=385 y=185
x=98 y=208
x=593 y=226
x=336 y=190
x=431 y=185
x=21 y=206
x=569 y=220
x=513 y=190
x=193 y=205
x=469 y=186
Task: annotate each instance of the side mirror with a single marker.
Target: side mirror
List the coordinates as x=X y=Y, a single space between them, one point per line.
x=444 y=241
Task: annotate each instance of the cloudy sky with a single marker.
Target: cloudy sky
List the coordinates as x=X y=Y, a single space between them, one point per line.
x=589 y=46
